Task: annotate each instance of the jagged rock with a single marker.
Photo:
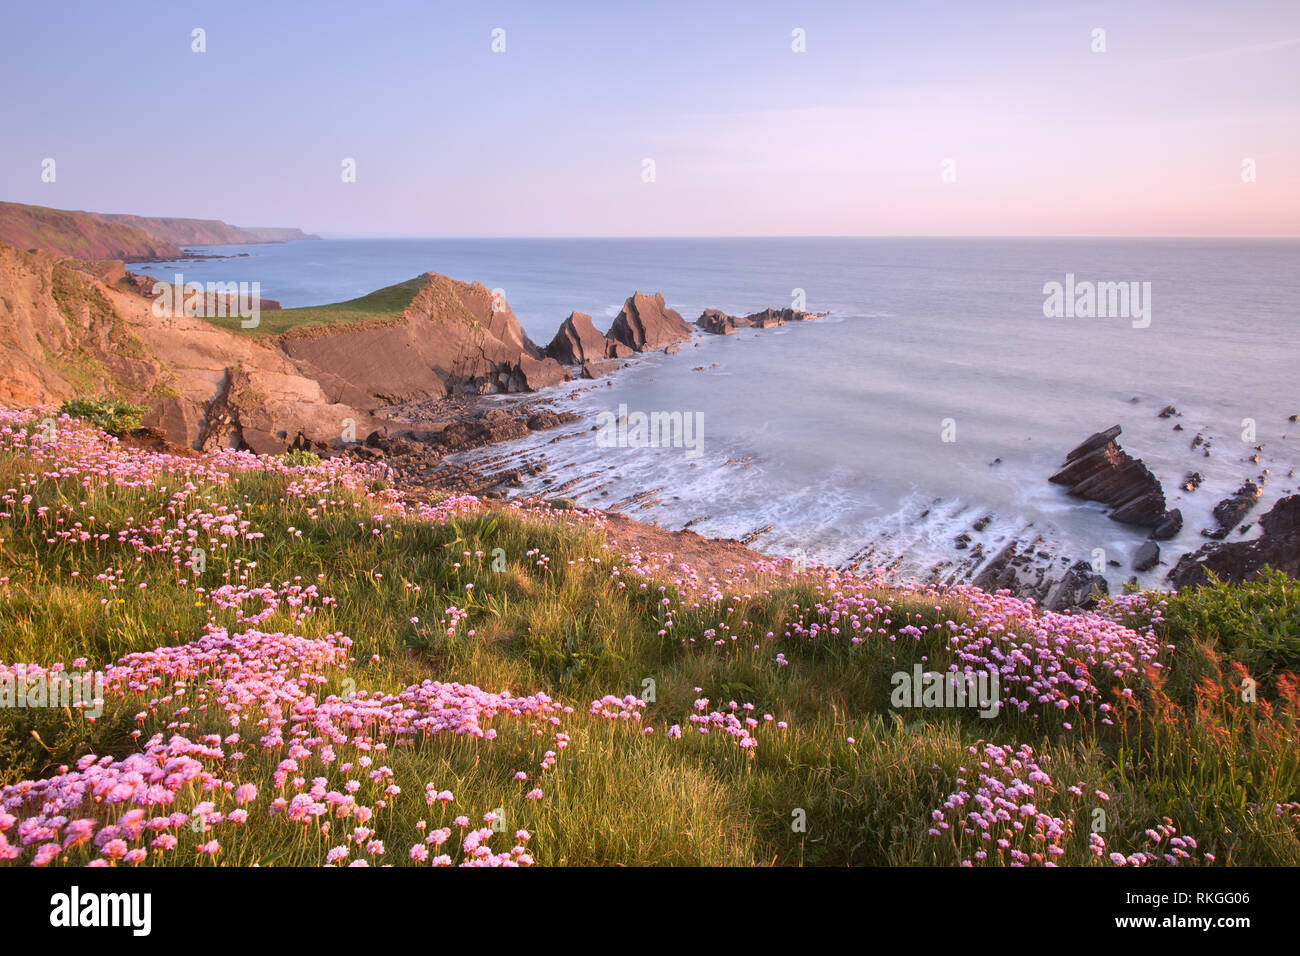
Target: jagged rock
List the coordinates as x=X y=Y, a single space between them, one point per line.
x=1232 y=509
x=769 y=318
x=1080 y=587
x=717 y=322
x=1147 y=556
x=1168 y=411
x=577 y=341
x=720 y=323
x=1277 y=547
x=1099 y=470
x=1192 y=481
x=646 y=324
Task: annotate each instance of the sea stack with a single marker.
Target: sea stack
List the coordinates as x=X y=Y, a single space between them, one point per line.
x=646 y=324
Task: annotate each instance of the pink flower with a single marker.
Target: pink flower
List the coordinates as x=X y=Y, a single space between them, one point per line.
x=45 y=853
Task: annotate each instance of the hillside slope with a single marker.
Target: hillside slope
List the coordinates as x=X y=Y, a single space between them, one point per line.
x=82 y=235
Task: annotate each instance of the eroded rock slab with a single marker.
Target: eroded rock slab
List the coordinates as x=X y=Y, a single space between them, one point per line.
x=1100 y=470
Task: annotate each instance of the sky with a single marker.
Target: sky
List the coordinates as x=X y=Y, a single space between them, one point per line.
x=903 y=118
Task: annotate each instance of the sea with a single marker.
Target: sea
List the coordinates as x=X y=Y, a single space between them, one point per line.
x=941 y=387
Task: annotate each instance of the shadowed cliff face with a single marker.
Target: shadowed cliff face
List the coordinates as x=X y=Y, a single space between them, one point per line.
x=71 y=328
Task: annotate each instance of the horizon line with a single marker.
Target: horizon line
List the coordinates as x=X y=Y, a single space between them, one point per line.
x=811 y=236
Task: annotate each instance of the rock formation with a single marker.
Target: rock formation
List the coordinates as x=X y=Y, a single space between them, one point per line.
x=450 y=340
x=1081 y=586
x=1099 y=470
x=646 y=324
x=1229 y=512
x=578 y=343
x=1277 y=547
x=1147 y=556
x=1024 y=569
x=718 y=322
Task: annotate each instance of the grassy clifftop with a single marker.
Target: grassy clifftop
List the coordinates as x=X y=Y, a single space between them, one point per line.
x=303 y=667
x=386 y=303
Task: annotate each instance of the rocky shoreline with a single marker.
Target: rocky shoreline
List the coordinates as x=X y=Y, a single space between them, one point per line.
x=1022 y=561
x=454 y=372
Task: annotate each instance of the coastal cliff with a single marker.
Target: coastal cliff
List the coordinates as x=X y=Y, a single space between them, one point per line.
x=80 y=234
x=89 y=235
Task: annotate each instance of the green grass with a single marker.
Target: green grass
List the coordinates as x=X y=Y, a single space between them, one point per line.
x=385 y=303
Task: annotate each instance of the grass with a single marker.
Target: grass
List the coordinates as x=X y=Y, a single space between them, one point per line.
x=386 y=303
x=550 y=608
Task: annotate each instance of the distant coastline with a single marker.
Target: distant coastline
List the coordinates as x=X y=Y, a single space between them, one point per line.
x=90 y=235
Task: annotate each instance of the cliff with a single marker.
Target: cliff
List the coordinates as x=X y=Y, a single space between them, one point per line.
x=90 y=235
x=82 y=235
x=82 y=328
x=205 y=232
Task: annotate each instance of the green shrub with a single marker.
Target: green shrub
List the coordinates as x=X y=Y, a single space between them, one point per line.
x=1256 y=622
x=300 y=457
x=113 y=415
